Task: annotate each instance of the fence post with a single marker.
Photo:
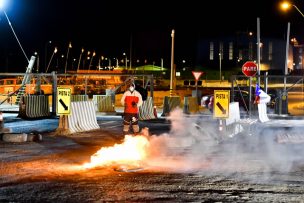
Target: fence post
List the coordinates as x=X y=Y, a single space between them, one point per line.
x=54 y=99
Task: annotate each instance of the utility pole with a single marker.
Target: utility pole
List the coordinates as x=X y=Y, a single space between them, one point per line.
x=172 y=62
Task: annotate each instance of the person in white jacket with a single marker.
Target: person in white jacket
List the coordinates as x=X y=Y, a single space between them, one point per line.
x=261 y=99
x=131 y=100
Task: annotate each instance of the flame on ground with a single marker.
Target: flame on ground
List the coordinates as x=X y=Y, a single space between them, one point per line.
x=131 y=153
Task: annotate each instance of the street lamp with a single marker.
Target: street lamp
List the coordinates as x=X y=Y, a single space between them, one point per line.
x=172 y=62
x=286 y=6
x=37 y=68
x=10 y=24
x=54 y=52
x=91 y=60
x=126 y=58
x=66 y=60
x=220 y=58
x=45 y=52
x=82 y=50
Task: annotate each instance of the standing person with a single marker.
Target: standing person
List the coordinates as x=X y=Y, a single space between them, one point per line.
x=131 y=100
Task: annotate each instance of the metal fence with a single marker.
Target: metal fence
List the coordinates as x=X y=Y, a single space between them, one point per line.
x=286 y=93
x=13 y=85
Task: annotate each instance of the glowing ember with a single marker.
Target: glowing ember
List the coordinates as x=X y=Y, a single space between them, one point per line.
x=130 y=153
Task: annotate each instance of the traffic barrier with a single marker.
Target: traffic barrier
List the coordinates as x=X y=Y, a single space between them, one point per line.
x=82 y=117
x=104 y=103
x=34 y=106
x=190 y=105
x=170 y=103
x=76 y=97
x=146 y=110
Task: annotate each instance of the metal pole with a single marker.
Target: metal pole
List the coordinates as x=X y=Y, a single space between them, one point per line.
x=258 y=50
x=10 y=24
x=82 y=50
x=54 y=97
x=130 y=63
x=286 y=56
x=172 y=61
x=220 y=58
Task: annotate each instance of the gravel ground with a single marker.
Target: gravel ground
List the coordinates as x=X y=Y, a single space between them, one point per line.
x=232 y=171
x=49 y=171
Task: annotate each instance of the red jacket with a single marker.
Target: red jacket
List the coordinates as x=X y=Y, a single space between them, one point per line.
x=128 y=98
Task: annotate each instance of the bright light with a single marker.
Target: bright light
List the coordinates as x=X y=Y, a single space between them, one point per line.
x=1 y=4
x=285 y=5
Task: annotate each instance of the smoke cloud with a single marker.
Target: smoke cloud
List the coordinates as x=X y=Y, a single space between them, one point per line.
x=195 y=144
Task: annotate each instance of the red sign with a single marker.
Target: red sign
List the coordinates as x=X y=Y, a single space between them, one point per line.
x=249 y=68
x=197 y=74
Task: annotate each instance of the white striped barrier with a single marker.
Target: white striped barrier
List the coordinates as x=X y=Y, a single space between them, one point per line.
x=146 y=110
x=34 y=106
x=76 y=97
x=170 y=103
x=82 y=117
x=104 y=103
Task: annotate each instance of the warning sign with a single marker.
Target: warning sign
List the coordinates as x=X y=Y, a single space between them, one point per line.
x=221 y=103
x=63 y=101
x=197 y=74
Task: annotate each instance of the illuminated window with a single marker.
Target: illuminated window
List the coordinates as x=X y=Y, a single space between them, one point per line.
x=230 y=50
x=211 y=55
x=270 y=51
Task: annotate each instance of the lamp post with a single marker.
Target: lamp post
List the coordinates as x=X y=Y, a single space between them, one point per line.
x=54 y=52
x=220 y=62
x=126 y=59
x=172 y=62
x=91 y=60
x=37 y=56
x=67 y=57
x=10 y=24
x=45 y=53
x=286 y=6
x=82 y=50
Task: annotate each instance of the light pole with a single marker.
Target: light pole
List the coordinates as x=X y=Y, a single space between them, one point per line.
x=54 y=52
x=10 y=24
x=220 y=59
x=82 y=50
x=67 y=57
x=172 y=62
x=126 y=58
x=45 y=53
x=91 y=60
x=37 y=56
x=286 y=5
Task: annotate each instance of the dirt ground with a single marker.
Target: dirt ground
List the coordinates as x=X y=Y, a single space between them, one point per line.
x=51 y=171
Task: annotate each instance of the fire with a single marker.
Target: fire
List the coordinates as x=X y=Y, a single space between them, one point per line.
x=132 y=152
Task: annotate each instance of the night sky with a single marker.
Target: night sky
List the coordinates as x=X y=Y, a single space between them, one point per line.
x=109 y=27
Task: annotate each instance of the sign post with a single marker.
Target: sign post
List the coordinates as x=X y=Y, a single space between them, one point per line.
x=63 y=109
x=249 y=68
x=197 y=75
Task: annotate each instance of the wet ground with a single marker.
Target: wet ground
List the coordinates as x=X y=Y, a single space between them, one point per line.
x=51 y=171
